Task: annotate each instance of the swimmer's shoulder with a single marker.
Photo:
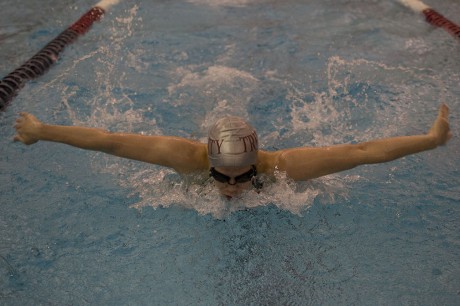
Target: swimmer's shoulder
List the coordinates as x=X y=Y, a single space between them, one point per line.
x=193 y=158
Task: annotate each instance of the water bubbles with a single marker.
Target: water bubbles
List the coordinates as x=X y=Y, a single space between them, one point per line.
x=163 y=188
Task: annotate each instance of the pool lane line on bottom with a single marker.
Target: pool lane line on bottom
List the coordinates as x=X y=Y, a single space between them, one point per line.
x=38 y=64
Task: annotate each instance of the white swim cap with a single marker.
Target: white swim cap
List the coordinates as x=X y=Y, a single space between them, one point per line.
x=232 y=142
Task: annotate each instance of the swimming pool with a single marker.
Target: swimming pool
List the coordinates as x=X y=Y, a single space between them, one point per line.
x=82 y=228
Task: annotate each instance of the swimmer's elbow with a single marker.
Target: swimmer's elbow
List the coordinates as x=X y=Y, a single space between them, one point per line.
x=110 y=143
x=366 y=153
x=86 y=138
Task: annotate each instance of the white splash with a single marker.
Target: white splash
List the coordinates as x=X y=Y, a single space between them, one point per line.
x=211 y=79
x=107 y=109
x=163 y=188
x=359 y=86
x=220 y=89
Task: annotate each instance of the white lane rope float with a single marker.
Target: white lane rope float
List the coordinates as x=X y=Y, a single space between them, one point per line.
x=432 y=16
x=38 y=64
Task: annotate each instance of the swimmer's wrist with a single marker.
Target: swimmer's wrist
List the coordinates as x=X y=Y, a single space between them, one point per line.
x=43 y=132
x=34 y=130
x=432 y=140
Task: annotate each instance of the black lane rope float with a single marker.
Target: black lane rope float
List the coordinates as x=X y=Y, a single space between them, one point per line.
x=38 y=64
x=433 y=17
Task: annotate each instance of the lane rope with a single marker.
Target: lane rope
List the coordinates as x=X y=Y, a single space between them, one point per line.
x=432 y=16
x=38 y=64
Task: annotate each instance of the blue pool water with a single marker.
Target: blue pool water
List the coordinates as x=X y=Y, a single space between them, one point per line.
x=83 y=228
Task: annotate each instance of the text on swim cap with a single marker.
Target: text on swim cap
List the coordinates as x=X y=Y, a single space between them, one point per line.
x=252 y=140
x=249 y=143
x=217 y=143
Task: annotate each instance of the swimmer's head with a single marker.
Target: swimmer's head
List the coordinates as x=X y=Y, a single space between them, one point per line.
x=232 y=142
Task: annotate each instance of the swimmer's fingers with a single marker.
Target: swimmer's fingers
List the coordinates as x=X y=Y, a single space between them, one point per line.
x=26 y=128
x=444 y=112
x=18 y=137
x=444 y=118
x=21 y=137
x=23 y=117
x=441 y=128
x=24 y=139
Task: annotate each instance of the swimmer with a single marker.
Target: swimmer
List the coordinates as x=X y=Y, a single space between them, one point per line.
x=232 y=156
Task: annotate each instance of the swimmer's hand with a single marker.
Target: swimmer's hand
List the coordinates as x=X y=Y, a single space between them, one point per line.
x=440 y=130
x=27 y=129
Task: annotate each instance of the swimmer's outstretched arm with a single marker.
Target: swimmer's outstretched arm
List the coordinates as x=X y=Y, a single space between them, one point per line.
x=181 y=154
x=307 y=163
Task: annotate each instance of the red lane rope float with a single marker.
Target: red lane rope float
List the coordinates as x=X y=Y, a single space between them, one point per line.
x=439 y=20
x=433 y=17
x=86 y=21
x=38 y=64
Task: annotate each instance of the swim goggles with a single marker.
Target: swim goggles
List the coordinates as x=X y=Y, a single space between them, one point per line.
x=242 y=178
